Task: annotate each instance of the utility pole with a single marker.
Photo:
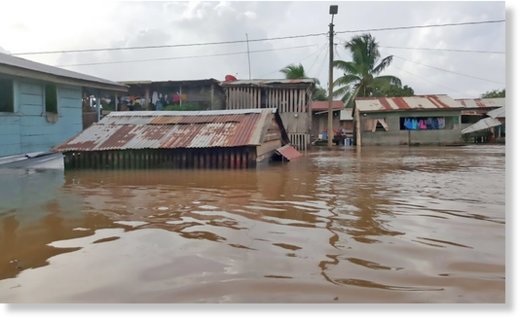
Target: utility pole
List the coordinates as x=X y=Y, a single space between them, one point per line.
x=248 y=57
x=330 y=132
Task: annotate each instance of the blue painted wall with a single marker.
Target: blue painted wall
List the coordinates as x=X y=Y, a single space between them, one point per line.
x=28 y=128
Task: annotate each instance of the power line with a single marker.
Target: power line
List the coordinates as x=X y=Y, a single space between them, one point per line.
x=320 y=48
x=449 y=71
x=257 y=40
x=453 y=50
x=429 y=81
x=170 y=45
x=181 y=57
x=423 y=26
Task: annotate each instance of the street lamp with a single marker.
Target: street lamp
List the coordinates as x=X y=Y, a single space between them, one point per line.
x=333 y=9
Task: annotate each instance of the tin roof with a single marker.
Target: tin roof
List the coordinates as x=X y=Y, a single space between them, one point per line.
x=174 y=129
x=482 y=103
x=268 y=82
x=324 y=105
x=497 y=113
x=482 y=124
x=427 y=102
x=288 y=152
x=20 y=63
x=198 y=82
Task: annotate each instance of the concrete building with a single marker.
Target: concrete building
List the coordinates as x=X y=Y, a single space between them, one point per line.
x=416 y=120
x=219 y=139
x=41 y=105
x=292 y=98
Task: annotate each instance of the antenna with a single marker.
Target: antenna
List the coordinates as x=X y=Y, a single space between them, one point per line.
x=248 y=57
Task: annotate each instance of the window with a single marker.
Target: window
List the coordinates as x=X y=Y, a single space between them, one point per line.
x=51 y=99
x=6 y=96
x=426 y=123
x=373 y=125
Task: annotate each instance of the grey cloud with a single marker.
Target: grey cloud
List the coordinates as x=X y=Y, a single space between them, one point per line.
x=159 y=23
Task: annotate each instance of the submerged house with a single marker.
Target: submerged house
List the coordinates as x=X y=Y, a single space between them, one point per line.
x=41 y=105
x=186 y=95
x=292 y=98
x=221 y=139
x=416 y=120
x=488 y=129
x=320 y=118
x=342 y=121
x=476 y=110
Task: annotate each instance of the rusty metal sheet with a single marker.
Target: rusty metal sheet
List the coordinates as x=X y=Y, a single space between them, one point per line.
x=288 y=152
x=482 y=124
x=324 y=105
x=427 y=102
x=482 y=102
x=171 y=130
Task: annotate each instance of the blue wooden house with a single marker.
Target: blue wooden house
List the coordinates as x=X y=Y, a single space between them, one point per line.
x=41 y=105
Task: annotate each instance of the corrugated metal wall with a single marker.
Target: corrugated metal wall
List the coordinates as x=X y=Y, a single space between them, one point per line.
x=292 y=104
x=207 y=158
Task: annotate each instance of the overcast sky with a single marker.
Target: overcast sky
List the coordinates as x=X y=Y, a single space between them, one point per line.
x=44 y=25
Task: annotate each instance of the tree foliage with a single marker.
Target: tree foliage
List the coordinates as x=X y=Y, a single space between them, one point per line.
x=319 y=94
x=494 y=94
x=361 y=75
x=394 y=91
x=294 y=71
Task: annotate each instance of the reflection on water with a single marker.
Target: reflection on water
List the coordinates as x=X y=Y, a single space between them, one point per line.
x=370 y=225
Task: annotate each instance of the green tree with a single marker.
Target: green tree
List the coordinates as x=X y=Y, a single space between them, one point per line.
x=319 y=94
x=394 y=91
x=494 y=94
x=361 y=75
x=294 y=71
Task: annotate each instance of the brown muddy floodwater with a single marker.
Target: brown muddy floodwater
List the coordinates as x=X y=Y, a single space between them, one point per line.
x=422 y=224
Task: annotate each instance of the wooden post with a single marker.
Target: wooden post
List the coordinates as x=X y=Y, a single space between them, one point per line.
x=357 y=127
x=147 y=97
x=98 y=107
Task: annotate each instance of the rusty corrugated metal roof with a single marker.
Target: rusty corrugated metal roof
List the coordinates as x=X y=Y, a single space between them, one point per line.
x=172 y=129
x=268 y=82
x=288 y=152
x=406 y=103
x=324 y=105
x=482 y=102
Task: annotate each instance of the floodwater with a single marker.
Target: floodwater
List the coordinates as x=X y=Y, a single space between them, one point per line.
x=424 y=224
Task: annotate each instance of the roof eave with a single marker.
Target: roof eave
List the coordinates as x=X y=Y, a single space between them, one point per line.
x=33 y=74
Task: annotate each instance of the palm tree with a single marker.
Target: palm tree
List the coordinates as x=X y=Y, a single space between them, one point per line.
x=294 y=71
x=360 y=76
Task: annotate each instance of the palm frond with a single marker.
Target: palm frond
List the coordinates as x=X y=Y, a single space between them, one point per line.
x=382 y=65
x=346 y=66
x=390 y=80
x=346 y=79
x=294 y=71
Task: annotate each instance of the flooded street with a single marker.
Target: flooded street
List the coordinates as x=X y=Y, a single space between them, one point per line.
x=423 y=224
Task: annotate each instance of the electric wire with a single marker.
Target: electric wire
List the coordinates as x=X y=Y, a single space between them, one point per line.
x=258 y=40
